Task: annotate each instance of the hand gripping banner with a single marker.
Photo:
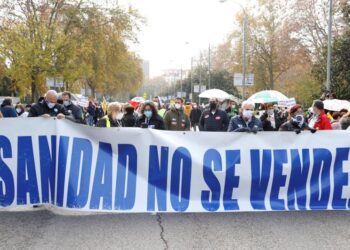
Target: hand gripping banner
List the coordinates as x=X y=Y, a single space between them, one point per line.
x=62 y=165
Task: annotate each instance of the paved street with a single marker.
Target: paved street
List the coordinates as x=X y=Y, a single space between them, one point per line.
x=306 y=230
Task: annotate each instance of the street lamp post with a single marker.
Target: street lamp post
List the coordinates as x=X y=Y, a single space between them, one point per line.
x=209 y=67
x=244 y=51
x=329 y=53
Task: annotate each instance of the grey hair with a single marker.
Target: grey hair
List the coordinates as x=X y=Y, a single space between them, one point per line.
x=247 y=102
x=51 y=92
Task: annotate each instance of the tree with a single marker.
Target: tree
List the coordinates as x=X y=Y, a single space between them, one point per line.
x=340 y=77
x=76 y=40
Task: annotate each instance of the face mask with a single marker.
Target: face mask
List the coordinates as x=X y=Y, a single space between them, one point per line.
x=66 y=103
x=195 y=107
x=270 y=112
x=212 y=105
x=51 y=105
x=248 y=114
x=120 y=116
x=177 y=106
x=18 y=111
x=148 y=113
x=299 y=119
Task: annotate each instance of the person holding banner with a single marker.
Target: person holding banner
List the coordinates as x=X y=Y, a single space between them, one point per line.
x=296 y=121
x=272 y=119
x=130 y=117
x=246 y=121
x=175 y=119
x=150 y=118
x=214 y=119
x=48 y=107
x=113 y=118
x=7 y=110
x=319 y=120
x=73 y=112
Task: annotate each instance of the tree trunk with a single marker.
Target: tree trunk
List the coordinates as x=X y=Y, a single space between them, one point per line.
x=34 y=89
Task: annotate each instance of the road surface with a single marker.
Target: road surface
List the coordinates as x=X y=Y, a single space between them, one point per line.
x=286 y=230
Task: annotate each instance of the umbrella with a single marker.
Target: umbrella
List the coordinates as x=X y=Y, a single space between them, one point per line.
x=268 y=96
x=215 y=93
x=336 y=105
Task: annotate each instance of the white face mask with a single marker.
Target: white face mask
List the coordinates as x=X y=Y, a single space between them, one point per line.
x=51 y=105
x=66 y=103
x=248 y=114
x=120 y=116
x=177 y=106
x=18 y=110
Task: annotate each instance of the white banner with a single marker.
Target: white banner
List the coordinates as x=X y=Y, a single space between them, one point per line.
x=77 y=168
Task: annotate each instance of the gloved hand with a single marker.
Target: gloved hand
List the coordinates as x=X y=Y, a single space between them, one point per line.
x=312 y=130
x=255 y=130
x=243 y=130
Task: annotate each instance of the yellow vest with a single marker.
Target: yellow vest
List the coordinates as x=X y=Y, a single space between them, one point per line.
x=108 y=122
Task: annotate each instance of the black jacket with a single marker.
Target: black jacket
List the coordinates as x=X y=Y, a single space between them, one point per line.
x=291 y=126
x=195 y=115
x=155 y=121
x=102 y=123
x=217 y=122
x=41 y=108
x=266 y=123
x=74 y=113
x=129 y=120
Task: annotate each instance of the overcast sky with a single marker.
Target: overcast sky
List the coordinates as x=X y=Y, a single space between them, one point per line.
x=173 y=23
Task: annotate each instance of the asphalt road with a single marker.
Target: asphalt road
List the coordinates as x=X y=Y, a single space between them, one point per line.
x=290 y=230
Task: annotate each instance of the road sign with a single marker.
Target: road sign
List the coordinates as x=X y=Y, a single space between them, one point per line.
x=238 y=80
x=54 y=82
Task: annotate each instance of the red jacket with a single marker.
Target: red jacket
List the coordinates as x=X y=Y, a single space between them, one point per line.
x=323 y=122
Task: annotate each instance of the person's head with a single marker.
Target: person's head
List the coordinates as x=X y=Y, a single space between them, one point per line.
x=114 y=111
x=41 y=99
x=296 y=114
x=28 y=107
x=6 y=102
x=156 y=99
x=149 y=109
x=178 y=103
x=343 y=112
x=92 y=99
x=247 y=110
x=19 y=108
x=345 y=121
x=232 y=104
x=270 y=109
x=194 y=105
x=332 y=96
x=318 y=107
x=156 y=104
x=51 y=97
x=129 y=109
x=67 y=98
x=336 y=116
x=213 y=104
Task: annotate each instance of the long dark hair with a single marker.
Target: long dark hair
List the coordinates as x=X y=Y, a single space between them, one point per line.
x=153 y=108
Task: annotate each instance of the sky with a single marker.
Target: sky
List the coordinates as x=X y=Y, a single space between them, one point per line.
x=176 y=30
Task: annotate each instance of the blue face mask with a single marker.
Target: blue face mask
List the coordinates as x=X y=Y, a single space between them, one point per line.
x=148 y=113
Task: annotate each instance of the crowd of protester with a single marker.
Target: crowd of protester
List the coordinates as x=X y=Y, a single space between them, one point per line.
x=180 y=116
